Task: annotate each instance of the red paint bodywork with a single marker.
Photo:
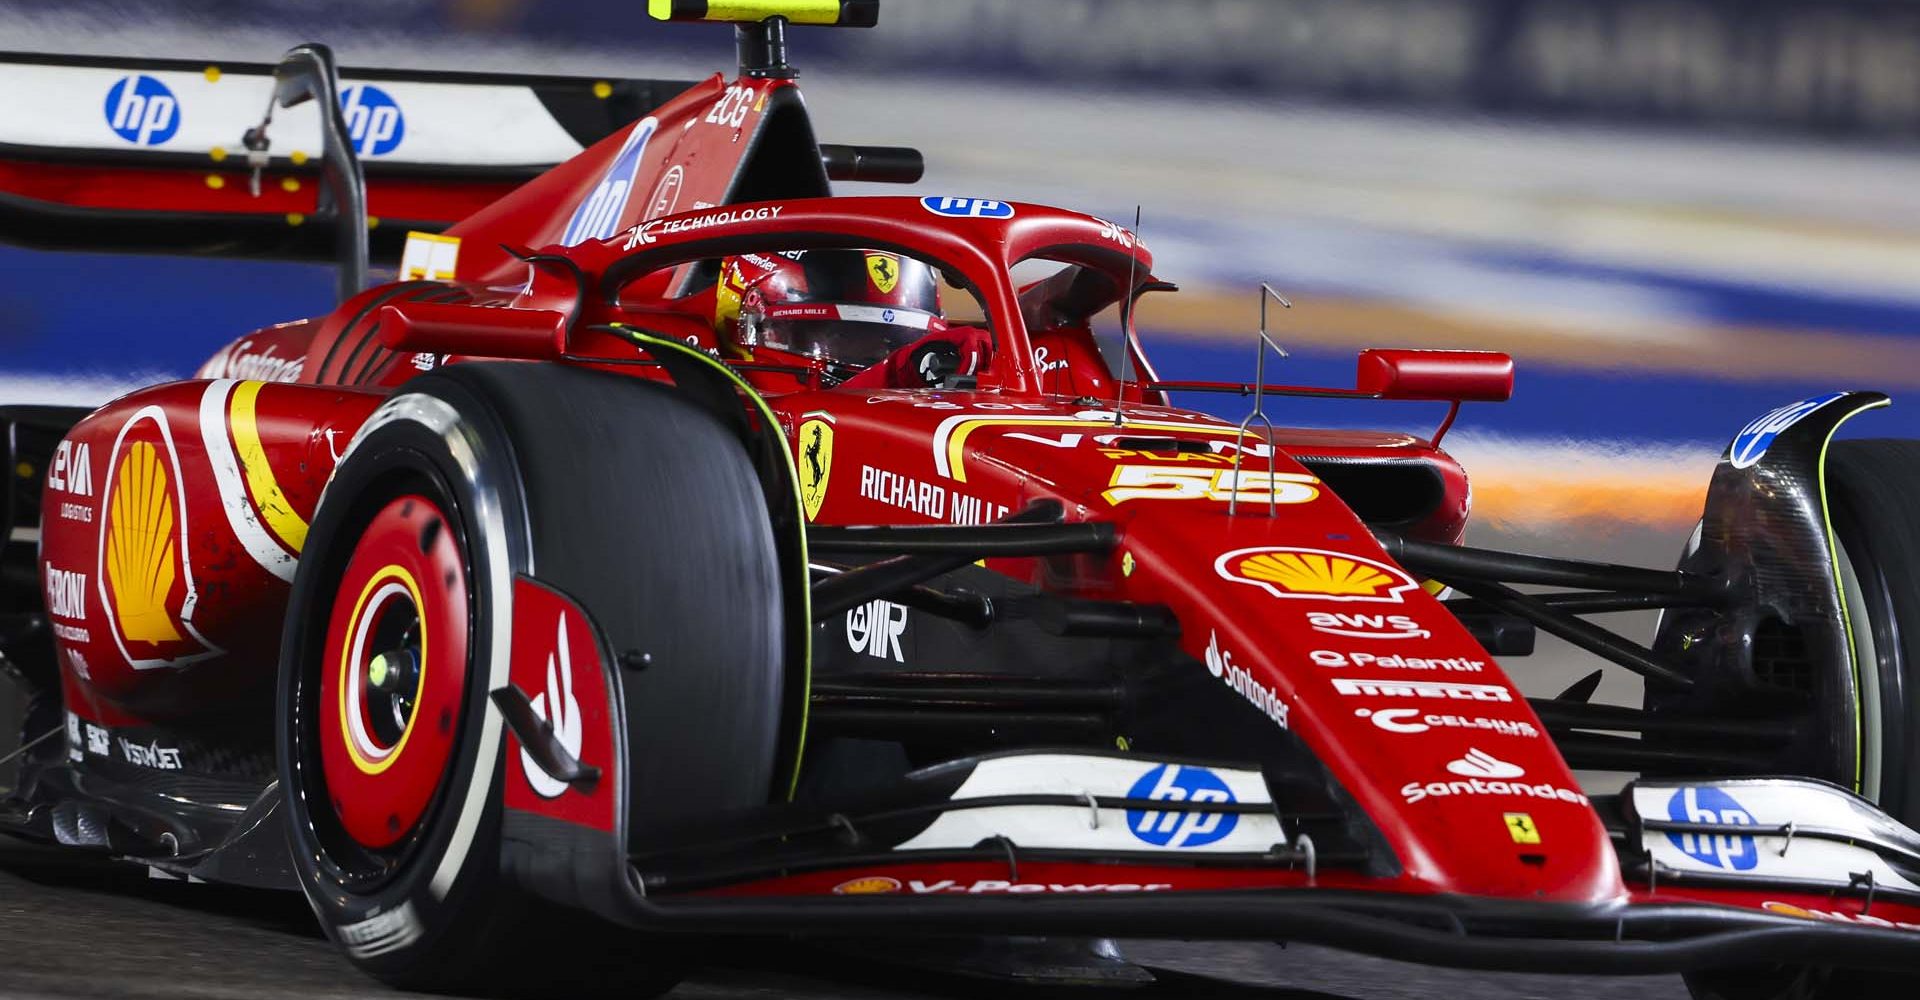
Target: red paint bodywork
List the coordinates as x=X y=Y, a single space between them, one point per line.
x=899 y=456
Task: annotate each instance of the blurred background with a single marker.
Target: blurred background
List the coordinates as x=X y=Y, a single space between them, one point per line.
x=1675 y=214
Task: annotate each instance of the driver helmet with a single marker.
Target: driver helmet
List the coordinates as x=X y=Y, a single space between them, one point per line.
x=846 y=308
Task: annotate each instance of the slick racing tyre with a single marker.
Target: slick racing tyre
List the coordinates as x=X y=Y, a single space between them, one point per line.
x=1873 y=494
x=623 y=495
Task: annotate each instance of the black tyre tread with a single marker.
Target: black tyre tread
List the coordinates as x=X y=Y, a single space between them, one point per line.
x=645 y=510
x=690 y=578
x=1877 y=482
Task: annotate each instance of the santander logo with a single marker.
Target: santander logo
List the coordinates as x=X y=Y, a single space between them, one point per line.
x=1478 y=763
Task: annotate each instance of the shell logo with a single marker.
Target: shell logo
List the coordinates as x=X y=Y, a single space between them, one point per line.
x=1284 y=571
x=146 y=580
x=869 y=886
x=140 y=547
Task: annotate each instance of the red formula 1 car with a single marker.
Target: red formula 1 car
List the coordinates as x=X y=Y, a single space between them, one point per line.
x=678 y=549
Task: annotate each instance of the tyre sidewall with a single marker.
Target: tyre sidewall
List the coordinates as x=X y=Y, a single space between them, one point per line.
x=440 y=898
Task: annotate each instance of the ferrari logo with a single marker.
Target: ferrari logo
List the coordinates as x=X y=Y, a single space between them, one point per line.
x=816 y=464
x=1290 y=572
x=1520 y=826
x=884 y=269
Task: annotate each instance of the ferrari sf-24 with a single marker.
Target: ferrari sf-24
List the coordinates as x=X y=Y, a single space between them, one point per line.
x=670 y=548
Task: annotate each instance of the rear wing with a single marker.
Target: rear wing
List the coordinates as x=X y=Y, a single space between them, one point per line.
x=133 y=154
x=304 y=160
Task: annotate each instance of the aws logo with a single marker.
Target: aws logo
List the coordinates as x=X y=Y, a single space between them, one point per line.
x=1315 y=573
x=145 y=579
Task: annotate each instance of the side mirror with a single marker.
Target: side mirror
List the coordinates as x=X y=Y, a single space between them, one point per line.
x=1457 y=376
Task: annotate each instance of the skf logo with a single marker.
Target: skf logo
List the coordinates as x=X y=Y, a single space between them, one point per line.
x=874 y=628
x=1315 y=573
x=141 y=110
x=884 y=269
x=374 y=122
x=72 y=470
x=1174 y=827
x=816 y=464
x=146 y=582
x=598 y=215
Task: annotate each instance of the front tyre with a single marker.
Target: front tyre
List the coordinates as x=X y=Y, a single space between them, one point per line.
x=623 y=495
x=1872 y=489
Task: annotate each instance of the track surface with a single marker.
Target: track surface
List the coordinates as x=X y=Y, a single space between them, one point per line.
x=83 y=928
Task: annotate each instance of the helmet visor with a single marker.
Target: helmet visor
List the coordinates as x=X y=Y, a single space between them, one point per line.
x=849 y=334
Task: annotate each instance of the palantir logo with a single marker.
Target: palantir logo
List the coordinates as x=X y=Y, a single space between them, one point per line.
x=1711 y=805
x=141 y=110
x=375 y=124
x=1175 y=827
x=598 y=215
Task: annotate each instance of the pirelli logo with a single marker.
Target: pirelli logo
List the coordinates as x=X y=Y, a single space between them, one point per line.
x=1422 y=689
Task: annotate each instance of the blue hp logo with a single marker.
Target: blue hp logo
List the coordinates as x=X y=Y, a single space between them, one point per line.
x=141 y=110
x=374 y=122
x=1750 y=445
x=1711 y=805
x=967 y=208
x=598 y=216
x=1173 y=827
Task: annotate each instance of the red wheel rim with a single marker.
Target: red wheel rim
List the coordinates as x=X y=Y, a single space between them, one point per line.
x=394 y=676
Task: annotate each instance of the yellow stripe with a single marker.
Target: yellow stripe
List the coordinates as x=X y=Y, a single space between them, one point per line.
x=655 y=345
x=275 y=510
x=388 y=572
x=797 y=11
x=1840 y=590
x=957 y=443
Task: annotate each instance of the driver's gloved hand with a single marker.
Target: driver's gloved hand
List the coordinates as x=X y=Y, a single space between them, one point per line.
x=933 y=361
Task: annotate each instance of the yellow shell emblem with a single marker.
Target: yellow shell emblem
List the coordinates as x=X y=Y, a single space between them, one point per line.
x=884 y=269
x=867 y=886
x=140 y=553
x=1287 y=572
x=816 y=464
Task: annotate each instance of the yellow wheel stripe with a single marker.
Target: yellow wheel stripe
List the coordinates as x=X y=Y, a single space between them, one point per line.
x=285 y=523
x=389 y=572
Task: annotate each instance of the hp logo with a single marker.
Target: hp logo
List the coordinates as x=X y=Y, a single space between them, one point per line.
x=1751 y=444
x=598 y=216
x=967 y=208
x=141 y=110
x=374 y=122
x=1173 y=827
x=1711 y=805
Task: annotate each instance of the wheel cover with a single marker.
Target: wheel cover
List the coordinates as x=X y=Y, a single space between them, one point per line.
x=394 y=675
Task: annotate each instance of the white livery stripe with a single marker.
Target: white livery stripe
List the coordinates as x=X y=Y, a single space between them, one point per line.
x=241 y=516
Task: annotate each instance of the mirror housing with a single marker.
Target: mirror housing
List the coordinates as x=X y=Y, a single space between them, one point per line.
x=1455 y=376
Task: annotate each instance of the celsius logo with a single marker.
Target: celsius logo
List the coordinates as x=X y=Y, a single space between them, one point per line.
x=1173 y=827
x=598 y=215
x=374 y=122
x=141 y=110
x=1711 y=805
